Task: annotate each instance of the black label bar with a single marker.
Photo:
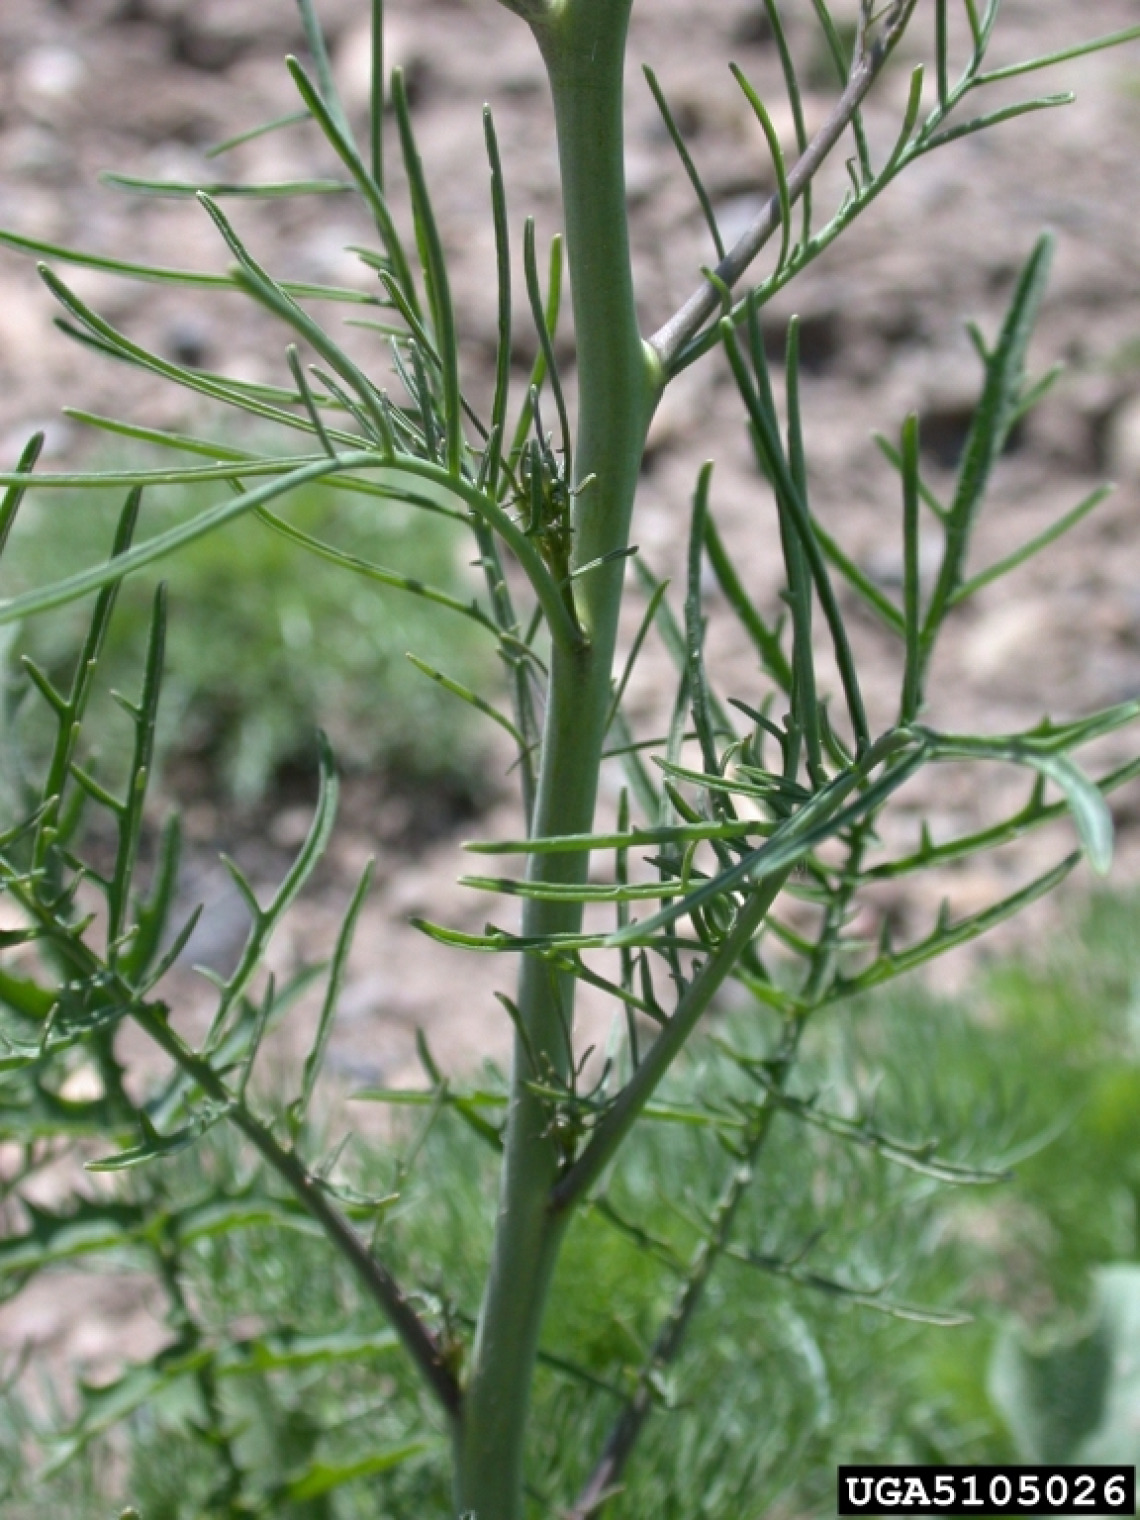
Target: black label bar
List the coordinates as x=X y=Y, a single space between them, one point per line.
x=986 y=1491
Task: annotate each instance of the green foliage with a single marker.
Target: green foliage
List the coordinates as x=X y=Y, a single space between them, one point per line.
x=820 y=1341
x=298 y=1398
x=747 y=850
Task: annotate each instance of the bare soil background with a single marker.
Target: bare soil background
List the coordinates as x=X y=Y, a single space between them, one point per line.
x=146 y=86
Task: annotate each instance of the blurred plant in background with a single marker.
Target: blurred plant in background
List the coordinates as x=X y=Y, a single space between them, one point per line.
x=269 y=644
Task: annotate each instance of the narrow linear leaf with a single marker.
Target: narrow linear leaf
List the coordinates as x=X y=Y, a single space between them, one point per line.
x=503 y=272
x=1047 y=60
x=765 y=639
x=394 y=578
x=703 y=198
x=157 y=274
x=821 y=819
x=315 y=1058
x=265 y=921
x=801 y=524
x=894 y=458
x=862 y=584
x=1086 y=803
x=341 y=143
x=912 y=590
x=499 y=941
x=376 y=95
x=635 y=648
x=541 y=891
x=261 y=285
x=700 y=697
x=105 y=339
x=941 y=46
x=184 y=190
x=465 y=694
x=284 y=1351
x=948 y=936
x=84 y=581
x=538 y=370
x=318 y=47
x=323 y=1477
x=156 y=1147
x=737 y=828
x=291 y=119
x=795 y=100
x=988 y=432
x=15 y=493
x=152 y=916
x=995 y=118
x=546 y=340
x=1034 y=546
x=434 y=265
x=773 y=140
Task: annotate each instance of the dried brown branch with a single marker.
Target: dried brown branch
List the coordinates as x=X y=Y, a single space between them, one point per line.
x=703 y=304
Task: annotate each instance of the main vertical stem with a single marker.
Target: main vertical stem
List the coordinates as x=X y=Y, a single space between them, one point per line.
x=583 y=44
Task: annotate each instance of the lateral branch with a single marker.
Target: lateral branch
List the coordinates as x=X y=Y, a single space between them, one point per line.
x=706 y=300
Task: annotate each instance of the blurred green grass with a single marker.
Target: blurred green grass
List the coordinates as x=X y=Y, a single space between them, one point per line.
x=268 y=642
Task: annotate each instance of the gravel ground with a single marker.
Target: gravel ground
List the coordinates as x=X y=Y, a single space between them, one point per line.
x=147 y=86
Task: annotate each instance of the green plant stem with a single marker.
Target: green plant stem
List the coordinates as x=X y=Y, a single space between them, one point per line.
x=583 y=45
x=630 y=1103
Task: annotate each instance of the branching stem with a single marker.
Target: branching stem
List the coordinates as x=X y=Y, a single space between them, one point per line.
x=707 y=299
x=583 y=44
x=373 y=1276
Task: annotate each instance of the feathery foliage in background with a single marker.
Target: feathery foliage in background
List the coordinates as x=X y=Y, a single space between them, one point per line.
x=1047 y=1080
